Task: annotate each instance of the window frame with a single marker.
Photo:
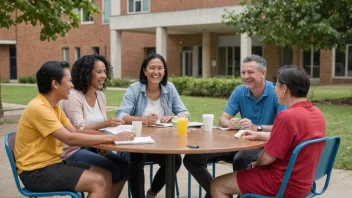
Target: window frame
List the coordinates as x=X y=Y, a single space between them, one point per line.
x=346 y=63
x=134 y=7
x=64 y=57
x=77 y=49
x=311 y=51
x=103 y=9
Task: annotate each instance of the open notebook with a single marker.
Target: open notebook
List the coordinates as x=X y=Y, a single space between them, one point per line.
x=138 y=140
x=118 y=129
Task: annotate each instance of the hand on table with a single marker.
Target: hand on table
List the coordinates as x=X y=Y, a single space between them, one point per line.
x=150 y=119
x=124 y=136
x=250 y=135
x=246 y=123
x=165 y=119
x=113 y=122
x=233 y=123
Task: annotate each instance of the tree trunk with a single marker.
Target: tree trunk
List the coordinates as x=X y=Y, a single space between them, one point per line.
x=1 y=110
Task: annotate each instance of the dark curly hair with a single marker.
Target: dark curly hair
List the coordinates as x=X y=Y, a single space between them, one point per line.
x=82 y=69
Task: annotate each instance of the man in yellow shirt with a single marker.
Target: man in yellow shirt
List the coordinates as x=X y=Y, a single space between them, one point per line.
x=42 y=129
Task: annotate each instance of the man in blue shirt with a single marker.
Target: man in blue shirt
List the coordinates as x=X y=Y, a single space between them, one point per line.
x=257 y=103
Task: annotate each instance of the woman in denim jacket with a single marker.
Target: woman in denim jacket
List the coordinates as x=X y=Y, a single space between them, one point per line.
x=152 y=99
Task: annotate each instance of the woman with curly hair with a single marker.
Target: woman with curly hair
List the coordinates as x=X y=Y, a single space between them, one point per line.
x=86 y=109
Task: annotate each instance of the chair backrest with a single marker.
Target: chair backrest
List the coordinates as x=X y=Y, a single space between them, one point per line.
x=325 y=165
x=9 y=147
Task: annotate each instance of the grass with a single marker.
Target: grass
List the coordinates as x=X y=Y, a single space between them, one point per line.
x=338 y=118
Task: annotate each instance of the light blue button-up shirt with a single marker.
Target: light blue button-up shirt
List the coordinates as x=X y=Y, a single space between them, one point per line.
x=261 y=111
x=135 y=101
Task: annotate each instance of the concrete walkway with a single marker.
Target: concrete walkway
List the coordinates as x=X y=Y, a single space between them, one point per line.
x=340 y=183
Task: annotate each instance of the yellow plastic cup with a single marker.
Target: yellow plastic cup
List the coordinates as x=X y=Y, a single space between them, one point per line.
x=182 y=126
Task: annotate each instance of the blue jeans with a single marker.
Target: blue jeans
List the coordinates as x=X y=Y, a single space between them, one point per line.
x=117 y=164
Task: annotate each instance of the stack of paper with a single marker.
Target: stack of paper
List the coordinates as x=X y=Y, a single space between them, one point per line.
x=137 y=140
x=118 y=129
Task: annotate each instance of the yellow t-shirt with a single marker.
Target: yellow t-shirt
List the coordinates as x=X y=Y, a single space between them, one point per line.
x=35 y=148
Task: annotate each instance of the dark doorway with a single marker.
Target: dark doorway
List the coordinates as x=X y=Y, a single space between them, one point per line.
x=13 y=62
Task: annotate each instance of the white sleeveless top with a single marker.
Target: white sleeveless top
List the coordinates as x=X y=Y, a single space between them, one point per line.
x=154 y=107
x=94 y=114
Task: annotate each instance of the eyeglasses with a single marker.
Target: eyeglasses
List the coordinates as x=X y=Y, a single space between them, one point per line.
x=159 y=69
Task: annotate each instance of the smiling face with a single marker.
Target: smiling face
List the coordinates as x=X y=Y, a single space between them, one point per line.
x=98 y=75
x=154 y=71
x=252 y=76
x=63 y=88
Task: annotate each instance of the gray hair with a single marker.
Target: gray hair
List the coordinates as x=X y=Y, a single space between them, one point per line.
x=261 y=62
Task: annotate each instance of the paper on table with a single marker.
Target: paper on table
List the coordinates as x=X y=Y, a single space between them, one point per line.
x=162 y=125
x=239 y=134
x=195 y=124
x=138 y=140
x=118 y=129
x=224 y=128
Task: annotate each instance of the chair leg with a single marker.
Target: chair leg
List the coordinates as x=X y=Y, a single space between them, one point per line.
x=151 y=175
x=177 y=190
x=189 y=185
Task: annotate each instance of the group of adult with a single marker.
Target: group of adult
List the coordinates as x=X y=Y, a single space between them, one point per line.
x=57 y=128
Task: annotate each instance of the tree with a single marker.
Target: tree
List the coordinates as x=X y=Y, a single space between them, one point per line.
x=296 y=23
x=55 y=17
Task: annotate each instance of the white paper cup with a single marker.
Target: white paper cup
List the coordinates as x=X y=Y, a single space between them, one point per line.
x=137 y=127
x=208 y=120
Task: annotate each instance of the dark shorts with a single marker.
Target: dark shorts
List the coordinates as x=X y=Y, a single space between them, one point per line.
x=63 y=176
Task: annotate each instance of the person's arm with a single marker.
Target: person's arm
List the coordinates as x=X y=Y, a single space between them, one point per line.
x=246 y=123
x=178 y=108
x=264 y=159
x=256 y=136
x=227 y=120
x=84 y=139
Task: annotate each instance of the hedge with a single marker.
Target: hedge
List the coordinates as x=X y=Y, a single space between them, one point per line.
x=211 y=87
x=27 y=79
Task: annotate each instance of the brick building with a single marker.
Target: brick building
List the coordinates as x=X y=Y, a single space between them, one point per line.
x=189 y=34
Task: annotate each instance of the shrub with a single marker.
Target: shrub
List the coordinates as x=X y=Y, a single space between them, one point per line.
x=119 y=83
x=212 y=87
x=27 y=79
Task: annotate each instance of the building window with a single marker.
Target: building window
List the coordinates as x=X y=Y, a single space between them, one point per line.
x=228 y=63
x=65 y=54
x=106 y=11
x=286 y=56
x=311 y=62
x=150 y=50
x=258 y=50
x=95 y=50
x=86 y=18
x=77 y=53
x=135 y=6
x=343 y=62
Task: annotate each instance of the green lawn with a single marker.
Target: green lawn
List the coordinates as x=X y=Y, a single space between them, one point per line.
x=338 y=118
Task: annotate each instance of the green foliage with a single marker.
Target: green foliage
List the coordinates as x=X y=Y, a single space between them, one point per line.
x=296 y=23
x=54 y=17
x=27 y=79
x=212 y=87
x=119 y=83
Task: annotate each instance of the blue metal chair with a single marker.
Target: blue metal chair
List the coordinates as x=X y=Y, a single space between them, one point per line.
x=200 y=187
x=150 y=164
x=9 y=146
x=325 y=165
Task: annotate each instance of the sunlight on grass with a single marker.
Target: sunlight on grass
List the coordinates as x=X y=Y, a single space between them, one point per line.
x=338 y=118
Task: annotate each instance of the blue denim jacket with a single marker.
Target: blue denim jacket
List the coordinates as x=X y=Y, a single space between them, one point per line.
x=135 y=101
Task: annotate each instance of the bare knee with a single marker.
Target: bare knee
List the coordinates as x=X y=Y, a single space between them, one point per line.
x=101 y=183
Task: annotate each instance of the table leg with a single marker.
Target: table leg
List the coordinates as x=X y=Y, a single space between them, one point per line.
x=170 y=176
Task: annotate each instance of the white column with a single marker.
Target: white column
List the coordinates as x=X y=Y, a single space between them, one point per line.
x=161 y=41
x=116 y=55
x=115 y=7
x=195 y=56
x=206 y=55
x=246 y=46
